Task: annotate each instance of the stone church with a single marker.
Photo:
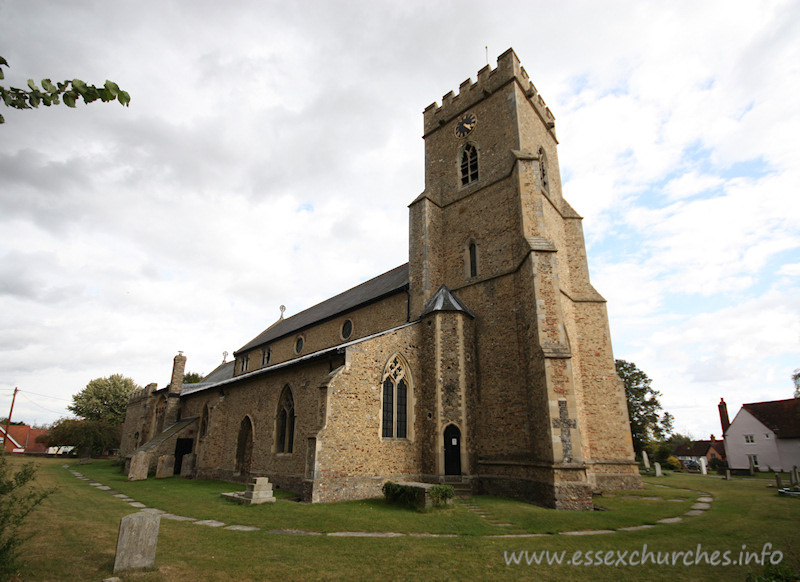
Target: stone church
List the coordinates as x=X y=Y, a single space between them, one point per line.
x=485 y=361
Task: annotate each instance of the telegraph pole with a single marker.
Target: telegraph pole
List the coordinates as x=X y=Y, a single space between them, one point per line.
x=8 y=420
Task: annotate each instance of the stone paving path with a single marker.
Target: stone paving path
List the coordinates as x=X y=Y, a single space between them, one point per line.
x=701 y=505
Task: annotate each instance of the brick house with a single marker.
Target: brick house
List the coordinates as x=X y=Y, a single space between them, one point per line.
x=21 y=438
x=484 y=361
x=695 y=450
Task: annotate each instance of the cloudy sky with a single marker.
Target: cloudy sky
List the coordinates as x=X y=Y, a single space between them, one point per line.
x=270 y=151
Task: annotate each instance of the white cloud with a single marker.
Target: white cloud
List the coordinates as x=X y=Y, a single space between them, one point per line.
x=270 y=151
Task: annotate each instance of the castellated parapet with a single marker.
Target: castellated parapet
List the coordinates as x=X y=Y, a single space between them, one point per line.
x=489 y=81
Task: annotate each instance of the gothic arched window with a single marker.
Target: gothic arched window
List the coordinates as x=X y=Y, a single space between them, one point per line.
x=469 y=164
x=395 y=399
x=284 y=441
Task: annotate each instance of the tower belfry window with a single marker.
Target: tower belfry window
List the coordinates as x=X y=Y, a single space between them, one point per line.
x=469 y=165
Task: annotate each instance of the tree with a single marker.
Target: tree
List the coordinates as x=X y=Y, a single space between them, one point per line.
x=93 y=436
x=104 y=399
x=68 y=92
x=17 y=500
x=192 y=378
x=643 y=404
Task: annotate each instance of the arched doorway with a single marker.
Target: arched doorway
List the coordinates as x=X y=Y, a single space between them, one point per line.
x=244 y=448
x=452 y=450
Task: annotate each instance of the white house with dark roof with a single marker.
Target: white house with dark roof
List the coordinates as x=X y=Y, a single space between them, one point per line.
x=764 y=434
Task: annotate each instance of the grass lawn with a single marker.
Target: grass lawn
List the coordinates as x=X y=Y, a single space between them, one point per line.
x=75 y=530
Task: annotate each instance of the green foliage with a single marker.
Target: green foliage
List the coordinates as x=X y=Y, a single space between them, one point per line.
x=441 y=493
x=414 y=497
x=643 y=406
x=104 y=399
x=192 y=378
x=673 y=463
x=17 y=500
x=95 y=436
x=403 y=495
x=68 y=92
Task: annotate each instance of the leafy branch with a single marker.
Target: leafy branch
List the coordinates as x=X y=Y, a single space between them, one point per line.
x=68 y=92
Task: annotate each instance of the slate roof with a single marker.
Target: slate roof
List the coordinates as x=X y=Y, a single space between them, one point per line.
x=444 y=300
x=699 y=448
x=373 y=290
x=780 y=416
x=222 y=372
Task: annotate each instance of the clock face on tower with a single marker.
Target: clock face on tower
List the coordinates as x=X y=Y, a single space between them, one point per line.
x=466 y=125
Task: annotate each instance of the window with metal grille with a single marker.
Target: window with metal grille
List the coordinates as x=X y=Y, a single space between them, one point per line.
x=469 y=165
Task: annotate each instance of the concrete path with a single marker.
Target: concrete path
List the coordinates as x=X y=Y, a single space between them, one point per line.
x=702 y=504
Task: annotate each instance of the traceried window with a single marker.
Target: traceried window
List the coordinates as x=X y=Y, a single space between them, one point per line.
x=285 y=423
x=544 y=176
x=245 y=363
x=469 y=164
x=395 y=400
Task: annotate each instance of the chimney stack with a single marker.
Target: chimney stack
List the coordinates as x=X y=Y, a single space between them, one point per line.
x=723 y=415
x=178 y=369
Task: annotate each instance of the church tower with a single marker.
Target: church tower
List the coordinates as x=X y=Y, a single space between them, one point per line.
x=542 y=412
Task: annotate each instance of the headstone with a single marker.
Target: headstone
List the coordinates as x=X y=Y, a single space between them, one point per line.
x=646 y=460
x=658 y=469
x=187 y=465
x=778 y=481
x=727 y=474
x=166 y=466
x=703 y=466
x=140 y=464
x=136 y=544
x=752 y=464
x=795 y=477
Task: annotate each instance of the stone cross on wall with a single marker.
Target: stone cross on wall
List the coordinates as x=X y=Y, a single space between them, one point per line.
x=565 y=423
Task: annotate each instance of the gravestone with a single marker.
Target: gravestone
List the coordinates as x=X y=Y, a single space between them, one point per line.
x=658 y=470
x=752 y=464
x=795 y=478
x=136 y=544
x=187 y=465
x=166 y=466
x=646 y=460
x=778 y=481
x=703 y=466
x=140 y=464
x=259 y=490
x=727 y=474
